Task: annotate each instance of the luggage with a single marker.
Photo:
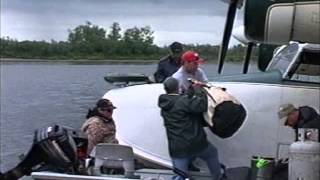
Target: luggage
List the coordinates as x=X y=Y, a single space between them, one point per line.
x=227 y=119
x=225 y=113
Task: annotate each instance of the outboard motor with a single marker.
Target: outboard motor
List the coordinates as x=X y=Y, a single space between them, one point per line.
x=52 y=146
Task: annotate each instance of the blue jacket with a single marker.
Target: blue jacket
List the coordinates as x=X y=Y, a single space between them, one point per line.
x=166 y=67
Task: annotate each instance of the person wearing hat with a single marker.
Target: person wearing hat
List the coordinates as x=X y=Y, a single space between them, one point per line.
x=170 y=63
x=190 y=70
x=183 y=121
x=100 y=126
x=301 y=117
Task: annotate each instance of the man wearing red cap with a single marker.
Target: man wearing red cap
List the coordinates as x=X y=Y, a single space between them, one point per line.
x=190 y=69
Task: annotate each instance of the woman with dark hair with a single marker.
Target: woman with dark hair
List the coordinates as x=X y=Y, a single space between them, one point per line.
x=100 y=126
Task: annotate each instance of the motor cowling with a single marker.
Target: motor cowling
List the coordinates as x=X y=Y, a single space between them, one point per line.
x=57 y=146
x=53 y=147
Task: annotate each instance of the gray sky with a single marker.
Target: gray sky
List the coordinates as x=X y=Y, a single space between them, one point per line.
x=187 y=21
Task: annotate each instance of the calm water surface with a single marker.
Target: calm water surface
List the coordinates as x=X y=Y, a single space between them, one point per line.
x=35 y=95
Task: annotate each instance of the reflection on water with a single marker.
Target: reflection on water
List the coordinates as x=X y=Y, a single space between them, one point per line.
x=35 y=95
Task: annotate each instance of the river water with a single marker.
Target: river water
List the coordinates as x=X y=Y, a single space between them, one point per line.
x=35 y=95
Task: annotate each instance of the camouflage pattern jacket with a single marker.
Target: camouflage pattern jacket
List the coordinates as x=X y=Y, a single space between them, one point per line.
x=99 y=130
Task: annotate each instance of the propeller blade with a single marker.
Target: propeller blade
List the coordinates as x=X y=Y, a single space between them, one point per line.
x=227 y=33
x=247 y=58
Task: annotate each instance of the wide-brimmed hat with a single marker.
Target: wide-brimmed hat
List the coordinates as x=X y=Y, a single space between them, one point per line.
x=285 y=110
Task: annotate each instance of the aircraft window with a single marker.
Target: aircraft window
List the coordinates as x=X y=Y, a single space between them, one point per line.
x=308 y=67
x=283 y=58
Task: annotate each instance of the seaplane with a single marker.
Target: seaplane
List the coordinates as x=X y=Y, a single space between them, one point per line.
x=287 y=34
x=289 y=74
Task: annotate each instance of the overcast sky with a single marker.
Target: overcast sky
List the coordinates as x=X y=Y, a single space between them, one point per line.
x=187 y=21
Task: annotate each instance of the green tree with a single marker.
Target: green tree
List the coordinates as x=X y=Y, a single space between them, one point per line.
x=115 y=32
x=87 y=39
x=138 y=40
x=139 y=35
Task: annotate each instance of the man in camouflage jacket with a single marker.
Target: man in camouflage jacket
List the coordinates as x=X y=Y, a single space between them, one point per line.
x=100 y=126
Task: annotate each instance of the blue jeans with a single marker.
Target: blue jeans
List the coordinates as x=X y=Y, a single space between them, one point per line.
x=209 y=155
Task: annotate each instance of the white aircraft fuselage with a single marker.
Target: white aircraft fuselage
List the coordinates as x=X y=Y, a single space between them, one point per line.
x=140 y=125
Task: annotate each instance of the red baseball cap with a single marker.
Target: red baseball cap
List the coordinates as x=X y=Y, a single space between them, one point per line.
x=191 y=56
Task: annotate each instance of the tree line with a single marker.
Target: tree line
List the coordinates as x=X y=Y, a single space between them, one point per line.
x=89 y=41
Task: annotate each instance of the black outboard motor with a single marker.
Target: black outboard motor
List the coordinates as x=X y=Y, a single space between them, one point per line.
x=53 y=146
